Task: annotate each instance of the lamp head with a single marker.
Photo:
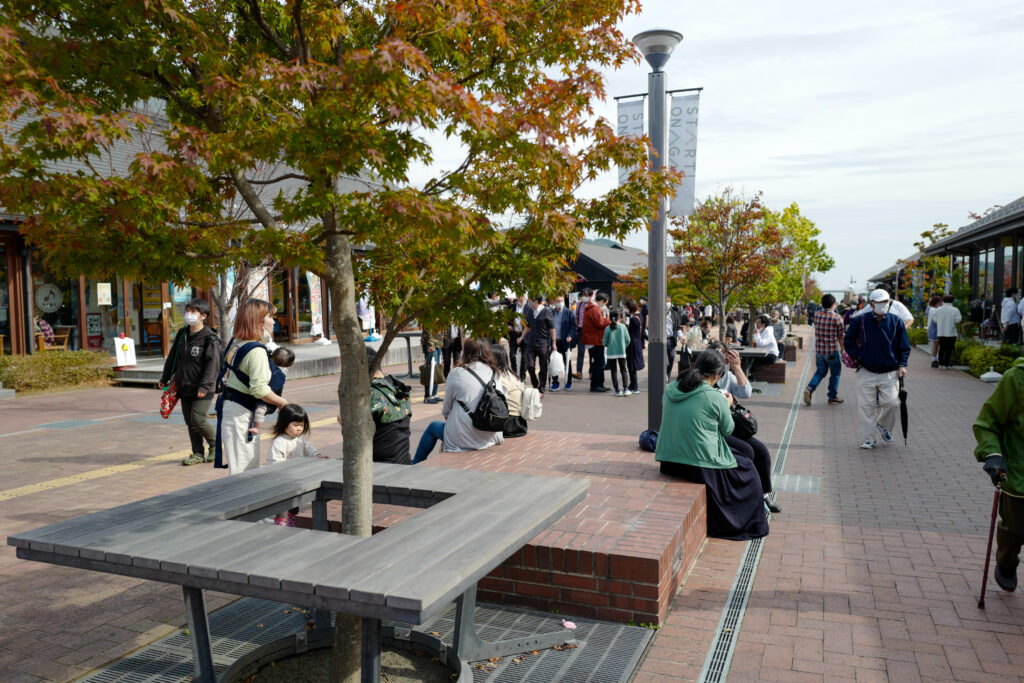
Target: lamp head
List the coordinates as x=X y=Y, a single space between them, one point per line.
x=657 y=45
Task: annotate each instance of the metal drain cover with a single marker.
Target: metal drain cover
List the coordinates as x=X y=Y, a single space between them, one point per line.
x=796 y=483
x=605 y=651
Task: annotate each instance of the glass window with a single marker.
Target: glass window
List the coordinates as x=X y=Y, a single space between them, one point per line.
x=1007 y=268
x=180 y=295
x=304 y=304
x=989 y=274
x=54 y=307
x=102 y=313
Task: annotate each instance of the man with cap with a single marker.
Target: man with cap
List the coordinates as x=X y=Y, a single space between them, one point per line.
x=895 y=306
x=879 y=342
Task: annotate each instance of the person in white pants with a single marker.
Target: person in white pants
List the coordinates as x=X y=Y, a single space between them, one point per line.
x=879 y=342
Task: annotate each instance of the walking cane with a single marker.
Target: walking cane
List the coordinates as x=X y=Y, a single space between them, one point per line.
x=988 y=553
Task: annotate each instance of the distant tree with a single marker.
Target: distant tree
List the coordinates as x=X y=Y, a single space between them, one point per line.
x=634 y=284
x=785 y=280
x=727 y=247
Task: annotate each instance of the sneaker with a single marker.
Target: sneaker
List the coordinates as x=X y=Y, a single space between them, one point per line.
x=835 y=400
x=627 y=392
x=886 y=436
x=578 y=375
x=600 y=390
x=194 y=459
x=290 y=520
x=432 y=399
x=1007 y=580
x=280 y=521
x=935 y=363
x=554 y=386
x=867 y=444
x=618 y=394
x=568 y=387
x=807 y=397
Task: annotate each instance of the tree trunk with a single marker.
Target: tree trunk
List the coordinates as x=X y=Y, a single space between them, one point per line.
x=357 y=430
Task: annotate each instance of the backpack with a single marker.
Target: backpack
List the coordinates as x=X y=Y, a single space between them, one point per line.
x=277 y=376
x=491 y=410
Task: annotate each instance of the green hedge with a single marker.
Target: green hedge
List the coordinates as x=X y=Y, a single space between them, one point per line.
x=917 y=336
x=49 y=370
x=980 y=357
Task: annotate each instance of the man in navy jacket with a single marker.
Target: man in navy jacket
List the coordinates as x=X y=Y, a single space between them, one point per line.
x=879 y=341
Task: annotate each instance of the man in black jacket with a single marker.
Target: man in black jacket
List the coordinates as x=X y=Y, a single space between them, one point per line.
x=193 y=365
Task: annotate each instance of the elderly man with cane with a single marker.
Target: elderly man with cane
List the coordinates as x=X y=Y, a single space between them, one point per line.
x=999 y=431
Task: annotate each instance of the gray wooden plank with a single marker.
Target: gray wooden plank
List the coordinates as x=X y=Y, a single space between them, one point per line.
x=121 y=548
x=98 y=525
x=495 y=528
x=449 y=574
x=264 y=537
x=297 y=544
x=161 y=502
x=400 y=549
x=177 y=559
x=149 y=554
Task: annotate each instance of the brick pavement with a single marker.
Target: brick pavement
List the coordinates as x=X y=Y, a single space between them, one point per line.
x=875 y=578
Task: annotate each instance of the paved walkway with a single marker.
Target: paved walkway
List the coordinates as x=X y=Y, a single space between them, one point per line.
x=875 y=577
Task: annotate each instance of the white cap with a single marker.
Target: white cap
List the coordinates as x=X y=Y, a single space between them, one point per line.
x=878 y=295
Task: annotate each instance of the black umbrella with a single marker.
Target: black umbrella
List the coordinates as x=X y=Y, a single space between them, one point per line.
x=903 y=411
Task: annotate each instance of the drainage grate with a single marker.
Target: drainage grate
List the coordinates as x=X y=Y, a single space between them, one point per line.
x=796 y=483
x=716 y=665
x=604 y=652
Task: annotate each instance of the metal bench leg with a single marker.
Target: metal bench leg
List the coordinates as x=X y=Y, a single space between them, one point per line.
x=470 y=648
x=370 y=656
x=321 y=617
x=199 y=634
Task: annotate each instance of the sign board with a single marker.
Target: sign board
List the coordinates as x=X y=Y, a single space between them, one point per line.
x=104 y=295
x=94 y=330
x=48 y=297
x=151 y=303
x=124 y=349
x=682 y=152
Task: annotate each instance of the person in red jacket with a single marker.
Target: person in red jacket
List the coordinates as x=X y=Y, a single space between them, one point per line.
x=594 y=323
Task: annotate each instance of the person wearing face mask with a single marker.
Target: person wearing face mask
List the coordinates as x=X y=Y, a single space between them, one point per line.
x=193 y=364
x=565 y=335
x=895 y=307
x=879 y=342
x=581 y=306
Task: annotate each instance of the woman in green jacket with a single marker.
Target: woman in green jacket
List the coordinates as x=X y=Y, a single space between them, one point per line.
x=695 y=420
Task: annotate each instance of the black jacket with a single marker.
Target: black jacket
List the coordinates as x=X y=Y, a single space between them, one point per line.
x=198 y=362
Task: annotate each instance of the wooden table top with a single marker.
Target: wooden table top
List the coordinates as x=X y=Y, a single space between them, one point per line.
x=202 y=536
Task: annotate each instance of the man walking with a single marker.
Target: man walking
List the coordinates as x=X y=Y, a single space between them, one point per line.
x=565 y=334
x=878 y=340
x=581 y=307
x=946 y=317
x=1010 y=317
x=593 y=340
x=538 y=340
x=828 y=345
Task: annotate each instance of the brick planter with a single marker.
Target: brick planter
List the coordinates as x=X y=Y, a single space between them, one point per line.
x=790 y=352
x=619 y=555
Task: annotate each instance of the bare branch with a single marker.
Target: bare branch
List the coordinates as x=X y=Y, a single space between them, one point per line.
x=267 y=30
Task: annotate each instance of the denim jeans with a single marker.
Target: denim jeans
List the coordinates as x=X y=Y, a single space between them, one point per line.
x=434 y=433
x=826 y=365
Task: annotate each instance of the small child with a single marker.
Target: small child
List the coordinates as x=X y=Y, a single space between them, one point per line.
x=281 y=359
x=289 y=441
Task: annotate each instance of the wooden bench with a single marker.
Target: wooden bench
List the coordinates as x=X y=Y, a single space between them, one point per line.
x=199 y=538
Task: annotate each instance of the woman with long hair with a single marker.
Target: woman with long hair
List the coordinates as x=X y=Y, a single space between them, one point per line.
x=463 y=389
x=515 y=425
x=246 y=383
x=696 y=419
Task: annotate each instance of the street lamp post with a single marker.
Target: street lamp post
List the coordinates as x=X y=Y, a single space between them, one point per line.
x=656 y=46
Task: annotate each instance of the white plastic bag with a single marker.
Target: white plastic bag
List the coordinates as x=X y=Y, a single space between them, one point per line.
x=556 y=366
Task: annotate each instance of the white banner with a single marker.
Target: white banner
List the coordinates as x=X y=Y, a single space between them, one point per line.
x=682 y=150
x=631 y=122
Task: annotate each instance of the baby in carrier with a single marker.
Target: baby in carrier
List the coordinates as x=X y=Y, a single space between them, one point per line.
x=280 y=360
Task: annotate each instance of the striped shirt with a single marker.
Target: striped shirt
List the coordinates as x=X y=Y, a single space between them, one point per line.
x=828 y=332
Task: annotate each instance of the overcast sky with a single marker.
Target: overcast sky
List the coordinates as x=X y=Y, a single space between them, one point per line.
x=877 y=118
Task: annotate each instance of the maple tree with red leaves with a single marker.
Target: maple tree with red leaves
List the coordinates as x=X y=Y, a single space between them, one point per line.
x=726 y=247
x=250 y=123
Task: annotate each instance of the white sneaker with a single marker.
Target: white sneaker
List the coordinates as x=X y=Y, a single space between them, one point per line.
x=867 y=444
x=886 y=436
x=627 y=392
x=618 y=394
